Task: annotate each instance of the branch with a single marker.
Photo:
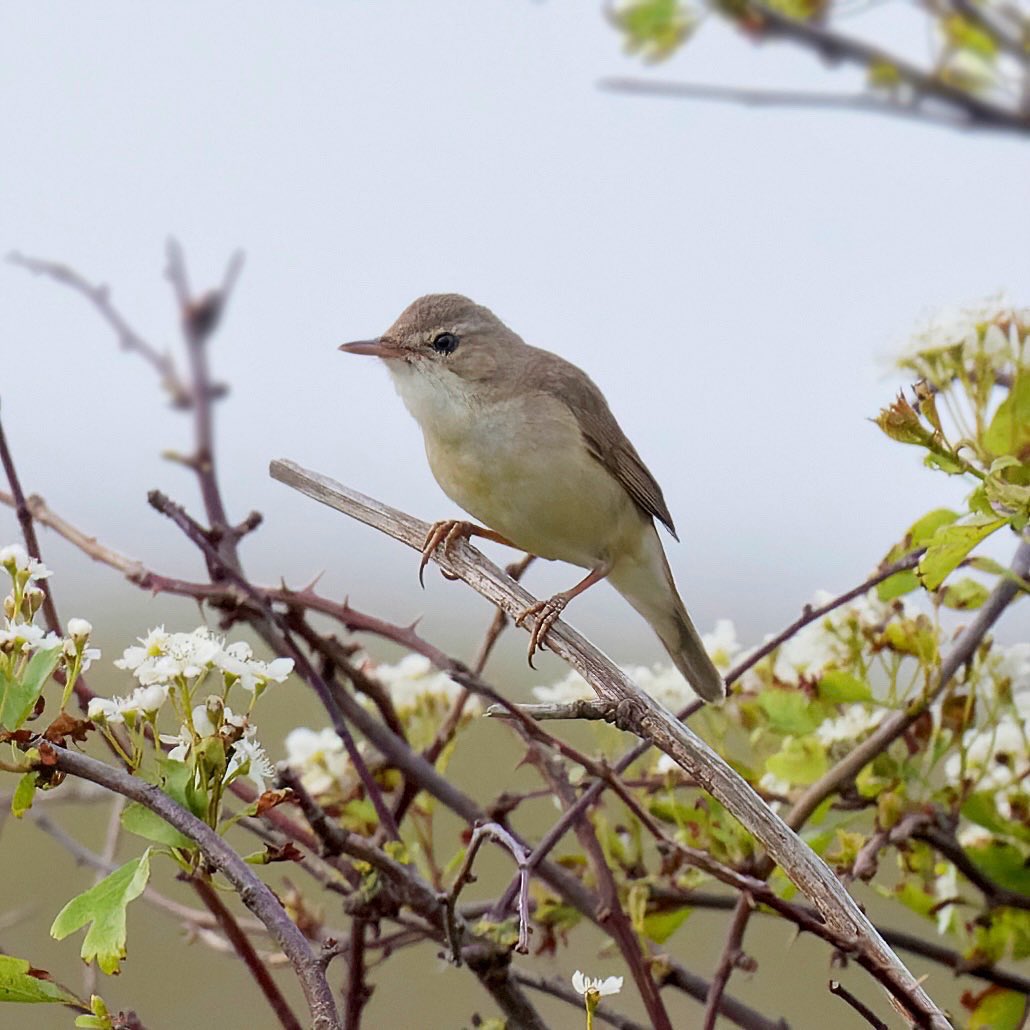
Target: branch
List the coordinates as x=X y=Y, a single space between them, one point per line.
x=520 y=854
x=837 y=47
x=128 y=338
x=837 y=988
x=241 y=943
x=654 y=723
x=253 y=893
x=731 y=954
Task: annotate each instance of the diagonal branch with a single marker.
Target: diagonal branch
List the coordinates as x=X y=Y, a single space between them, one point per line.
x=253 y=892
x=653 y=723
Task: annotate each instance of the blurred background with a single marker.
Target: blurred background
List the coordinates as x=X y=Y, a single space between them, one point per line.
x=734 y=279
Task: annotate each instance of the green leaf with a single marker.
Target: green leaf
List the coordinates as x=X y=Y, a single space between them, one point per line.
x=104 y=907
x=176 y=780
x=18 y=697
x=655 y=28
x=998 y=1009
x=660 y=926
x=801 y=760
x=898 y=585
x=1009 y=431
x=839 y=687
x=1003 y=863
x=21 y=983
x=143 y=822
x=788 y=711
x=23 y=794
x=949 y=545
x=964 y=594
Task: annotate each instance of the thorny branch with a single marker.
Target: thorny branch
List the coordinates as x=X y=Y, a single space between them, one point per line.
x=653 y=723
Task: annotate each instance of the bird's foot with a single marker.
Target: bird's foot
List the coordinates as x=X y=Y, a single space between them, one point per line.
x=447 y=532
x=546 y=613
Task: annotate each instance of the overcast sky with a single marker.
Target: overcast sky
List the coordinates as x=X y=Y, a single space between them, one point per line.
x=733 y=279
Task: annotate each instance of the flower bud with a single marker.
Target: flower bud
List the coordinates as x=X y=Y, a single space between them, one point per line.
x=34 y=598
x=79 y=629
x=9 y=606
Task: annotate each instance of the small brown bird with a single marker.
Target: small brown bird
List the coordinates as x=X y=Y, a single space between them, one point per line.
x=525 y=442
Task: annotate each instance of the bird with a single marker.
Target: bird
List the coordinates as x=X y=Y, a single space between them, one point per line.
x=525 y=442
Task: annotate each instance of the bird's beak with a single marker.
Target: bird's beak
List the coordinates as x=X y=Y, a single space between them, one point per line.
x=379 y=348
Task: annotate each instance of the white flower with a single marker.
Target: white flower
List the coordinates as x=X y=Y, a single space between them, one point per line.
x=239 y=665
x=973 y=836
x=772 y=784
x=414 y=679
x=722 y=644
x=855 y=721
x=581 y=984
x=16 y=559
x=164 y=657
x=320 y=760
x=945 y=888
x=24 y=637
x=249 y=758
x=79 y=629
x=149 y=699
x=571 y=688
x=997 y=760
x=105 y=710
x=950 y=327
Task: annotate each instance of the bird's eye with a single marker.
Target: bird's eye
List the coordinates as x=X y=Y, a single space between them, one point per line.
x=445 y=343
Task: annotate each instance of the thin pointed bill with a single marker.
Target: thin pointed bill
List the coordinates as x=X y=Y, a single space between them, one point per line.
x=379 y=348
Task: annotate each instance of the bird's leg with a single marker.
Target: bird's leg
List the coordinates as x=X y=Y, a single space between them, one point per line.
x=449 y=532
x=547 y=612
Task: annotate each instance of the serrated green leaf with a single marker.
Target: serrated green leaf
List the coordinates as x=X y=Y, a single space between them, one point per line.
x=999 y=1009
x=660 y=926
x=840 y=687
x=945 y=462
x=964 y=594
x=949 y=545
x=1009 y=431
x=788 y=711
x=801 y=760
x=18 y=696
x=23 y=794
x=103 y=906
x=18 y=984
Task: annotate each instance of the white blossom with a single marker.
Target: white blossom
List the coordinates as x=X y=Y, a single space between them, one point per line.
x=79 y=629
x=25 y=637
x=16 y=559
x=997 y=760
x=239 y=665
x=954 y=326
x=582 y=984
x=945 y=888
x=772 y=784
x=320 y=760
x=249 y=756
x=855 y=721
x=414 y=679
x=105 y=710
x=163 y=657
x=722 y=644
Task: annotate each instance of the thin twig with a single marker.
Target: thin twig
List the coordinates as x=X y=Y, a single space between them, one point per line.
x=498 y=833
x=837 y=988
x=128 y=338
x=730 y=956
x=28 y=530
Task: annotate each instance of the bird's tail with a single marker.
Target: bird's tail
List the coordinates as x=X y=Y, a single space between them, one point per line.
x=649 y=587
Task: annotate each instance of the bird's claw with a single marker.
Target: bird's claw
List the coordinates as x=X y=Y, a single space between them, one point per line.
x=546 y=613
x=446 y=532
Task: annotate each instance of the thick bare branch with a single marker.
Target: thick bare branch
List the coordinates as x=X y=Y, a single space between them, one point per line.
x=653 y=722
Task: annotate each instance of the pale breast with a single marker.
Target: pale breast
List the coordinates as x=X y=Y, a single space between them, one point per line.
x=521 y=467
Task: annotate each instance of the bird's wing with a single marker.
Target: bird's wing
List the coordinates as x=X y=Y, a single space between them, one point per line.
x=603 y=436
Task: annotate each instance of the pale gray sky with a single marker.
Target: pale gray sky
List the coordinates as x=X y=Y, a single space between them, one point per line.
x=731 y=278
